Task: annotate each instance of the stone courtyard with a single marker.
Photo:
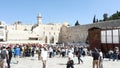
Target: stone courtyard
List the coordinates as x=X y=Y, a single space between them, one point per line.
x=59 y=62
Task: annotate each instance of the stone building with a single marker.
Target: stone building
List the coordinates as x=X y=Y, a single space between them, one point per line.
x=2 y=31
x=37 y=33
x=49 y=33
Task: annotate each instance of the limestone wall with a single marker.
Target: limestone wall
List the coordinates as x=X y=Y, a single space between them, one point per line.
x=17 y=35
x=49 y=31
x=74 y=34
x=80 y=33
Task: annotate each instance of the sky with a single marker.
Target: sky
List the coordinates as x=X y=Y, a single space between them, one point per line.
x=56 y=11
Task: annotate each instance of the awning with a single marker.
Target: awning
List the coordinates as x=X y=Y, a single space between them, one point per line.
x=23 y=42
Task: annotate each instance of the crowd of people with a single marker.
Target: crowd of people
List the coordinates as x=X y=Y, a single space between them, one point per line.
x=7 y=52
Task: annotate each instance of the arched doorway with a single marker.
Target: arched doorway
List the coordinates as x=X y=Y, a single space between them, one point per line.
x=94 y=37
x=46 y=39
x=52 y=39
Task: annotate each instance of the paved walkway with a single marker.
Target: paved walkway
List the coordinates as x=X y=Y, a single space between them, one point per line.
x=59 y=62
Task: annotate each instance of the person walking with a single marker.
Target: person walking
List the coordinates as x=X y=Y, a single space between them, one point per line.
x=44 y=54
x=79 y=55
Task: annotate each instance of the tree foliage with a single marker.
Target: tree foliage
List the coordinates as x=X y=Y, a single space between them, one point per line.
x=94 y=19
x=77 y=23
x=105 y=17
x=18 y=22
x=114 y=16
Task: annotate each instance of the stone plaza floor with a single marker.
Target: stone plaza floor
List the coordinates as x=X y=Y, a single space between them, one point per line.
x=59 y=62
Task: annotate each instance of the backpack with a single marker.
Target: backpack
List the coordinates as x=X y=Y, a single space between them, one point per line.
x=3 y=54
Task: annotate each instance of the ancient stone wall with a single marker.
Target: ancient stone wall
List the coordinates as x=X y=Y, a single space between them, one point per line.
x=80 y=33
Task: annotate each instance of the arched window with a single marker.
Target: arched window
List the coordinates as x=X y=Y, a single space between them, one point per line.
x=52 y=39
x=46 y=39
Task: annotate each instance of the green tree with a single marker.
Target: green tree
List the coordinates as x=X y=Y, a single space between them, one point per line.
x=18 y=22
x=94 y=19
x=105 y=17
x=115 y=16
x=77 y=23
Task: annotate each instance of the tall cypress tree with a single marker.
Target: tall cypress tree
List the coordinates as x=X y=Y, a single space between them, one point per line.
x=94 y=19
x=77 y=23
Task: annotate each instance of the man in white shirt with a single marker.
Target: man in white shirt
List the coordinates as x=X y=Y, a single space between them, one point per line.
x=50 y=52
x=70 y=62
x=100 y=59
x=44 y=56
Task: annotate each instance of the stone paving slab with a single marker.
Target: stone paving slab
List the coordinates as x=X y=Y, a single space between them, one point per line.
x=59 y=62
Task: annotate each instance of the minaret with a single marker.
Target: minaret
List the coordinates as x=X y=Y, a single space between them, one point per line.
x=39 y=19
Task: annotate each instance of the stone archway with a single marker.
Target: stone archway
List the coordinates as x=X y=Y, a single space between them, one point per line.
x=52 y=39
x=46 y=39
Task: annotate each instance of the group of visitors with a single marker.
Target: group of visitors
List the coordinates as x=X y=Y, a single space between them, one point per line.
x=16 y=51
x=44 y=51
x=114 y=54
x=9 y=51
x=5 y=56
x=97 y=58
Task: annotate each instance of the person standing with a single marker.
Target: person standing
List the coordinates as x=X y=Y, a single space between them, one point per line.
x=17 y=53
x=4 y=56
x=33 y=50
x=50 y=52
x=95 y=56
x=70 y=62
x=39 y=53
x=10 y=56
x=44 y=54
x=115 y=54
x=100 y=59
x=110 y=54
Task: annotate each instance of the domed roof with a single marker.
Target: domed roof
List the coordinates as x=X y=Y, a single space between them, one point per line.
x=65 y=23
x=39 y=15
